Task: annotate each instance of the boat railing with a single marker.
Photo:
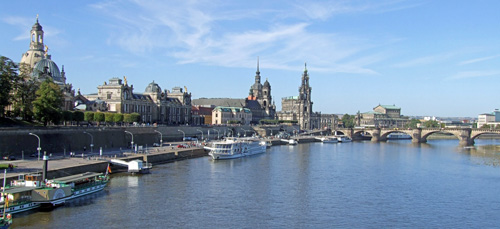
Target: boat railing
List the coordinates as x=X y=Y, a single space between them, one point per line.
x=22 y=200
x=90 y=184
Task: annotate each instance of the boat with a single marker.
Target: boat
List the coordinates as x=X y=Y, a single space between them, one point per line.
x=235 y=148
x=268 y=144
x=398 y=136
x=344 y=139
x=5 y=220
x=292 y=142
x=329 y=140
x=82 y=184
x=134 y=166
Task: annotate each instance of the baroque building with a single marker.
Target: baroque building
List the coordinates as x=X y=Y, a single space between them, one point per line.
x=299 y=108
x=259 y=101
x=154 y=105
x=226 y=115
x=382 y=116
x=38 y=64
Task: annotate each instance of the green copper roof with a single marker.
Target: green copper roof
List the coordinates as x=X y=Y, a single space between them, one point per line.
x=389 y=106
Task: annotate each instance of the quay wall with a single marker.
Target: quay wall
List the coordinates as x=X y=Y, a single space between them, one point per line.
x=17 y=141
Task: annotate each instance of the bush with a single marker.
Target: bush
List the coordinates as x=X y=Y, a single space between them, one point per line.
x=88 y=116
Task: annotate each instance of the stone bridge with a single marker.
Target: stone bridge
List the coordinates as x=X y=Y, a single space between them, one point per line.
x=465 y=136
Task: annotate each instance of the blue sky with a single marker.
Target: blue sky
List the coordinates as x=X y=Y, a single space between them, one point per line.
x=435 y=58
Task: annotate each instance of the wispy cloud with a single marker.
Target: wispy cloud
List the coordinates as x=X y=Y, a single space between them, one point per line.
x=478 y=60
x=474 y=74
x=22 y=23
x=195 y=32
x=323 y=10
x=426 y=60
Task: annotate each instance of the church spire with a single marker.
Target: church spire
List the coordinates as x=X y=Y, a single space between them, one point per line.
x=257 y=73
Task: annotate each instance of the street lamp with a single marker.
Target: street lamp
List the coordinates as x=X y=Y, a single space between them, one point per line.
x=132 y=142
x=39 y=148
x=161 y=137
x=91 y=141
x=217 y=133
x=183 y=134
x=201 y=133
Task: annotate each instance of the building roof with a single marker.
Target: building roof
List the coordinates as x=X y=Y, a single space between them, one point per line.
x=152 y=88
x=372 y=112
x=233 y=109
x=51 y=67
x=215 y=102
x=390 y=107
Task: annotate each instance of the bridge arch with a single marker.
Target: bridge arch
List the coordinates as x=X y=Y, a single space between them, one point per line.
x=386 y=133
x=428 y=133
x=475 y=135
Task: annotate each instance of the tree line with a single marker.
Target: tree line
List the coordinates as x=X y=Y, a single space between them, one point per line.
x=29 y=99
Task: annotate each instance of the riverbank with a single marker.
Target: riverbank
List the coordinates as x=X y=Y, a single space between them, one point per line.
x=65 y=166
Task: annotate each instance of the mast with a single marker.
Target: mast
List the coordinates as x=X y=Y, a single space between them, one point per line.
x=3 y=193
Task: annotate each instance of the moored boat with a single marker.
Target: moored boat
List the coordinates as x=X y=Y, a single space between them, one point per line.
x=235 y=148
x=329 y=140
x=343 y=139
x=82 y=184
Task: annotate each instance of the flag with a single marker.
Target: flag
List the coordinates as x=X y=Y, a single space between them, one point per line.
x=109 y=169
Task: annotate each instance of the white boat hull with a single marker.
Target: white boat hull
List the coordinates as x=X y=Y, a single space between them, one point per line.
x=237 y=149
x=89 y=190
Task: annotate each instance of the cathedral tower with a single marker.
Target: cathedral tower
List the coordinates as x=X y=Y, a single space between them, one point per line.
x=36 y=51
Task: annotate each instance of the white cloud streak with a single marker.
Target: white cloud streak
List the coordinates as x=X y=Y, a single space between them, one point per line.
x=474 y=74
x=194 y=32
x=472 y=61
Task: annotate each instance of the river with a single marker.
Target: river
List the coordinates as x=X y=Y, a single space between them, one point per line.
x=344 y=185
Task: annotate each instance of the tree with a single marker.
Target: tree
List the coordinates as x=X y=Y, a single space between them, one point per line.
x=47 y=105
x=8 y=74
x=109 y=117
x=432 y=124
x=23 y=97
x=24 y=93
x=67 y=116
x=88 y=116
x=118 y=118
x=99 y=117
x=413 y=123
x=136 y=117
x=78 y=116
x=485 y=126
x=348 y=121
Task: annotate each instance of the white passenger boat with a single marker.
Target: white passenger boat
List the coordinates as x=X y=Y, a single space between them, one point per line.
x=344 y=139
x=329 y=140
x=398 y=136
x=235 y=148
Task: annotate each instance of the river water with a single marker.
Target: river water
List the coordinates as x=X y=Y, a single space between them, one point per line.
x=345 y=185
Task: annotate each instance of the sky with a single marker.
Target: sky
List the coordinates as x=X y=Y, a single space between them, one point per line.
x=431 y=58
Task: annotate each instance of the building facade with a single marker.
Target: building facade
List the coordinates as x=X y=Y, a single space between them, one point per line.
x=38 y=64
x=259 y=100
x=299 y=108
x=231 y=115
x=382 y=116
x=491 y=119
x=154 y=105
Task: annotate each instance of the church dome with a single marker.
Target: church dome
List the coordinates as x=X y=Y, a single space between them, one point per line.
x=152 y=88
x=36 y=26
x=51 y=67
x=266 y=84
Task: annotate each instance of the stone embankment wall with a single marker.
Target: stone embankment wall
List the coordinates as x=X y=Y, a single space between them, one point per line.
x=16 y=141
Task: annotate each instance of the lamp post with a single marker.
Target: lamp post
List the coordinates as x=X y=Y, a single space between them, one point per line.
x=161 y=137
x=132 y=142
x=201 y=133
x=91 y=141
x=217 y=133
x=39 y=148
x=183 y=134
